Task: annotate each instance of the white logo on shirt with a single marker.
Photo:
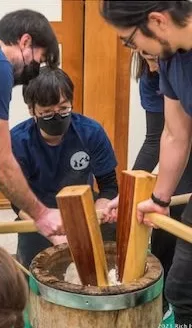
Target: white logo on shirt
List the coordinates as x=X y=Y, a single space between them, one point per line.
x=79 y=161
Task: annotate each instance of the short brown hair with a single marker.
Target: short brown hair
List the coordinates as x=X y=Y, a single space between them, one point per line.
x=13 y=292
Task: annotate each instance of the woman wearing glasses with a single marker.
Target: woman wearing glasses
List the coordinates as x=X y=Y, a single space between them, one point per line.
x=57 y=148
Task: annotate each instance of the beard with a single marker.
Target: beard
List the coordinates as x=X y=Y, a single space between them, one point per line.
x=166 y=52
x=17 y=71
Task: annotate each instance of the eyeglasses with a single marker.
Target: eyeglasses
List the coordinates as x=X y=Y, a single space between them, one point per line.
x=128 y=42
x=63 y=112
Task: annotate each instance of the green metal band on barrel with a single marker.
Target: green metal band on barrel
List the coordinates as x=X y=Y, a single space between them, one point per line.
x=33 y=283
x=100 y=302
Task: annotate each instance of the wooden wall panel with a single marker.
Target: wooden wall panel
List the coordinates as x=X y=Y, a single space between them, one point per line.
x=123 y=66
x=70 y=34
x=106 y=80
x=100 y=58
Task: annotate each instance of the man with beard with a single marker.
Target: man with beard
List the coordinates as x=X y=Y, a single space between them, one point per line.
x=164 y=29
x=56 y=148
x=26 y=40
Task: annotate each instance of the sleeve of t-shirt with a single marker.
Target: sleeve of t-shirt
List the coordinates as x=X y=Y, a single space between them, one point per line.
x=6 y=85
x=21 y=156
x=165 y=86
x=150 y=96
x=103 y=159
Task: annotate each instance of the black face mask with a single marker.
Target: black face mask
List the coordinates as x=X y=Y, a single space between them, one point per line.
x=56 y=126
x=29 y=71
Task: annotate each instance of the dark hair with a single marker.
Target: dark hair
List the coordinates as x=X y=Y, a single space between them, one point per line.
x=125 y=14
x=17 y=23
x=139 y=65
x=47 y=88
x=13 y=293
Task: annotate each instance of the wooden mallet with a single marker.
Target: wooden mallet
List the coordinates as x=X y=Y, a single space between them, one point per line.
x=83 y=234
x=27 y=224
x=132 y=237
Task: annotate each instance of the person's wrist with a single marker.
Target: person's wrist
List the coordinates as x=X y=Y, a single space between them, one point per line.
x=38 y=210
x=159 y=201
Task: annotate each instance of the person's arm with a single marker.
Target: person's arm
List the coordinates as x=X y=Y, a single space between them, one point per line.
x=108 y=189
x=153 y=103
x=148 y=156
x=107 y=185
x=12 y=181
x=175 y=148
x=174 y=152
x=15 y=188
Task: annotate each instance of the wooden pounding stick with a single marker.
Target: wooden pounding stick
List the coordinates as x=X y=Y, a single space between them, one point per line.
x=132 y=237
x=171 y=225
x=22 y=226
x=28 y=225
x=22 y=268
x=180 y=199
x=83 y=234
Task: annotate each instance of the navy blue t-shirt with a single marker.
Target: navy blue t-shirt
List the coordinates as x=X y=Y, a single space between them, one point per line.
x=6 y=85
x=84 y=152
x=151 y=98
x=176 y=78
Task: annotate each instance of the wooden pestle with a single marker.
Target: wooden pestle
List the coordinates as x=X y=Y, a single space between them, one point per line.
x=132 y=237
x=171 y=225
x=83 y=234
x=27 y=224
x=180 y=199
x=132 y=246
x=22 y=268
x=22 y=226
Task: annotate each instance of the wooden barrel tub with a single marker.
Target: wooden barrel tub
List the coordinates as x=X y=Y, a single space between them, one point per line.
x=57 y=304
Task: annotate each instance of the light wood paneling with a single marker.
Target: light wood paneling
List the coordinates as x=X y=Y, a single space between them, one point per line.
x=106 y=80
x=70 y=35
x=122 y=106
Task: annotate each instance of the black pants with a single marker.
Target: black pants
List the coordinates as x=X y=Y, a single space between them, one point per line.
x=30 y=244
x=178 y=288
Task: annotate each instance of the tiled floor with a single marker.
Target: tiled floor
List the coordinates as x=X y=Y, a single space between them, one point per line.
x=8 y=241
